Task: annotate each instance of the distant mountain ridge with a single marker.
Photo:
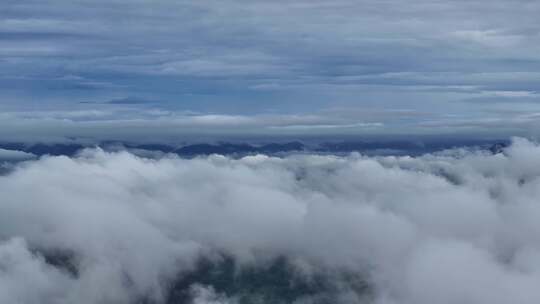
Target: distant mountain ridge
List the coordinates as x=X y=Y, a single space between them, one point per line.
x=227 y=148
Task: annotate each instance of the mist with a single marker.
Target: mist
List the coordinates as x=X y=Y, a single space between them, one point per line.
x=459 y=226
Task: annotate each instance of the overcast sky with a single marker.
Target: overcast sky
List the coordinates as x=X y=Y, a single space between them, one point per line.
x=342 y=66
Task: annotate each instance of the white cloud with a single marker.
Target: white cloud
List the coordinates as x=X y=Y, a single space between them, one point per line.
x=21 y=270
x=432 y=229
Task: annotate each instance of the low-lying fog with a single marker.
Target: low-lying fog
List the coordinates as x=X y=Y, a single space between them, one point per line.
x=454 y=227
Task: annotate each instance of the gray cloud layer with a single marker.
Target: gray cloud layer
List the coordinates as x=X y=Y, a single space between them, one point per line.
x=234 y=57
x=172 y=127
x=455 y=227
x=14 y=155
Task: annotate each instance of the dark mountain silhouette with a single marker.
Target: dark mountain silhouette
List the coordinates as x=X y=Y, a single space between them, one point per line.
x=239 y=149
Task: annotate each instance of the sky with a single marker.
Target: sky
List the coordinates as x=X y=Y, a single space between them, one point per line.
x=129 y=225
x=119 y=69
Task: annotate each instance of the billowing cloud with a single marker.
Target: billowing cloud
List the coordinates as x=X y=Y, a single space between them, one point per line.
x=459 y=226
